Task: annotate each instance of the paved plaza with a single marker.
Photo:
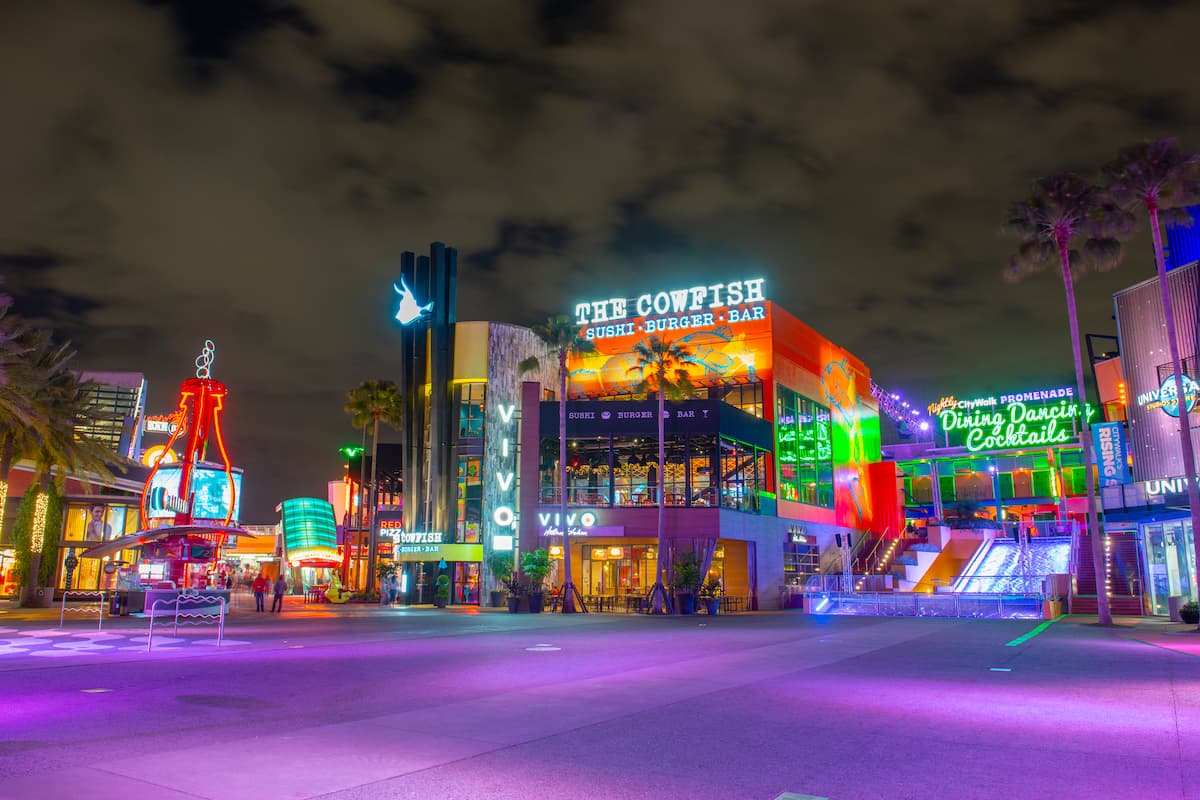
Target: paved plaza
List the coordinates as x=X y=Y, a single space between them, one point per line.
x=397 y=703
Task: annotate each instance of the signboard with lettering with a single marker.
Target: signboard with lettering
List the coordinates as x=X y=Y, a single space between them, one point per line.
x=1112 y=463
x=726 y=328
x=1028 y=419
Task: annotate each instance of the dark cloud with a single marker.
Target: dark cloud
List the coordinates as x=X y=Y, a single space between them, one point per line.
x=250 y=171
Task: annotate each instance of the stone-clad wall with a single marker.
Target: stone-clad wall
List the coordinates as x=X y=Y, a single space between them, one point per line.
x=508 y=345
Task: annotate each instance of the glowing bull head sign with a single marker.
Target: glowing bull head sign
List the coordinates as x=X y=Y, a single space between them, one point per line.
x=410 y=311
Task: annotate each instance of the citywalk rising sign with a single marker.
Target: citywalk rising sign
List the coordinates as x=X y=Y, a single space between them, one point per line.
x=1038 y=418
x=1112 y=462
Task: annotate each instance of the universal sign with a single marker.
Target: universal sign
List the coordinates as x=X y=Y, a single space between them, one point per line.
x=1164 y=396
x=674 y=301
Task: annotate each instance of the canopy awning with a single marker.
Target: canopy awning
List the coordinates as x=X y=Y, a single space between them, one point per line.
x=140 y=538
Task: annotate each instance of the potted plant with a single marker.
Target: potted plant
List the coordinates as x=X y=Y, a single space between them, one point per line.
x=1190 y=613
x=517 y=588
x=686 y=569
x=502 y=567
x=441 y=591
x=710 y=593
x=536 y=566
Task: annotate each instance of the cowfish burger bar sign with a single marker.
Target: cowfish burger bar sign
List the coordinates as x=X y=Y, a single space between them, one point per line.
x=673 y=310
x=1036 y=418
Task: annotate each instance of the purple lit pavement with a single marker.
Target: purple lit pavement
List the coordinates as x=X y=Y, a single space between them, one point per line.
x=375 y=703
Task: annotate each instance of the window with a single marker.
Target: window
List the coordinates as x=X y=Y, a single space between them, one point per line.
x=741 y=466
x=804 y=449
x=588 y=472
x=800 y=560
x=635 y=477
x=702 y=467
x=470 y=498
x=748 y=398
x=470 y=410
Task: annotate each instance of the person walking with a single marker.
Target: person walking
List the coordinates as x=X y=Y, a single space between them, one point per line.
x=280 y=591
x=260 y=591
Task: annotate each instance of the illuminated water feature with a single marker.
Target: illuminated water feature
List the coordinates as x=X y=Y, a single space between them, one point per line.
x=1000 y=569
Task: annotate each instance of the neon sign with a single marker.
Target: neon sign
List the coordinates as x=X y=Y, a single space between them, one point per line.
x=577 y=524
x=676 y=301
x=1158 y=488
x=1010 y=421
x=503 y=515
x=1164 y=396
x=410 y=310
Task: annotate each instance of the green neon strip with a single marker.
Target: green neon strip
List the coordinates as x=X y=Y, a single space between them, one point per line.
x=1034 y=632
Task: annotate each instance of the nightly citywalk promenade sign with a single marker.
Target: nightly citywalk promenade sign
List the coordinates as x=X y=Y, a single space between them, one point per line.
x=1040 y=418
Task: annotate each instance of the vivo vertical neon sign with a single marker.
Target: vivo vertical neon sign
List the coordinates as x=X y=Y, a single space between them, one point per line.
x=410 y=310
x=503 y=514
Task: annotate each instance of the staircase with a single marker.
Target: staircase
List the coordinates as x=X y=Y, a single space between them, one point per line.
x=1125 y=595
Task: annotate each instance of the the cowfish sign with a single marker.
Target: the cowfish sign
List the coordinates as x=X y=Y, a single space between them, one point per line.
x=676 y=309
x=1040 y=418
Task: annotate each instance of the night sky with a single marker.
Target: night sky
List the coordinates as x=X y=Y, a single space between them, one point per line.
x=250 y=171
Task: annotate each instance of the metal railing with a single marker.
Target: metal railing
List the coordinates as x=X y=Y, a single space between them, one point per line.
x=950 y=605
x=98 y=597
x=190 y=609
x=843 y=583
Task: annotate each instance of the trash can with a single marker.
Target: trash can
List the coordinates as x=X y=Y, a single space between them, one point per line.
x=1173 y=604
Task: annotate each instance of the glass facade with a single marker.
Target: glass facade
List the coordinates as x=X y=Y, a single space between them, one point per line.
x=1029 y=477
x=470 y=498
x=804 y=449
x=111 y=414
x=700 y=470
x=85 y=525
x=1169 y=562
x=471 y=410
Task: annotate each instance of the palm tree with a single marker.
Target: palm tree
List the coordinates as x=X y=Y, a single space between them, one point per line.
x=1062 y=210
x=30 y=378
x=62 y=401
x=662 y=369
x=374 y=402
x=1163 y=178
x=560 y=336
x=14 y=351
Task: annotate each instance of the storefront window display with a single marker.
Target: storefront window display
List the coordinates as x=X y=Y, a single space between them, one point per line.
x=618 y=569
x=86 y=524
x=470 y=498
x=804 y=446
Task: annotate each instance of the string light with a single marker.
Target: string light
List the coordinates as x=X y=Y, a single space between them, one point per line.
x=3 y=501
x=38 y=536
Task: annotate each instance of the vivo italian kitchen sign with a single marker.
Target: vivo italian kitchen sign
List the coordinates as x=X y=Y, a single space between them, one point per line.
x=1036 y=418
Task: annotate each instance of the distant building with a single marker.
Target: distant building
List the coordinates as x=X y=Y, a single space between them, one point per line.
x=116 y=407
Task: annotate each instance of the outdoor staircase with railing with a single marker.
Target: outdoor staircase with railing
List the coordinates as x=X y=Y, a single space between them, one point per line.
x=1121 y=563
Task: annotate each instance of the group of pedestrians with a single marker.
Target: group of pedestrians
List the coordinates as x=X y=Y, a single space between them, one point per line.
x=260 y=586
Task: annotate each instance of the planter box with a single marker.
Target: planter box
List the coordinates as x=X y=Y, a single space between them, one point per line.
x=535 y=603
